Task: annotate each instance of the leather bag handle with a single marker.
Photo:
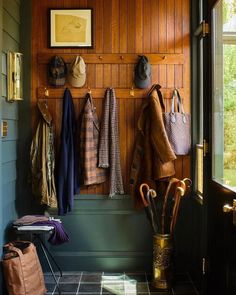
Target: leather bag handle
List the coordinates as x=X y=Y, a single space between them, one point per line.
x=180 y=107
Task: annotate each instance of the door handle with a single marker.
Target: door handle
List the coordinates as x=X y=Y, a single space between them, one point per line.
x=227 y=208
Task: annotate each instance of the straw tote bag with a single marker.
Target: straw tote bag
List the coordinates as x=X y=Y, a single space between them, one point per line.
x=22 y=270
x=177 y=126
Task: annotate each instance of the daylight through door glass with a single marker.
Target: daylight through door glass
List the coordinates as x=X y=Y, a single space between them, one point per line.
x=224 y=93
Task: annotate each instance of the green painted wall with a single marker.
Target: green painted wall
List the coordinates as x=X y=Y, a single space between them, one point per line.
x=105 y=234
x=9 y=41
x=10 y=11
x=1 y=195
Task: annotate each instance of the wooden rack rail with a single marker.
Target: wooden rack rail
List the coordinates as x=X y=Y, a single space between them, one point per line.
x=119 y=58
x=55 y=93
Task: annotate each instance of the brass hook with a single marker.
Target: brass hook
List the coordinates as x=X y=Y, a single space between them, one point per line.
x=89 y=90
x=131 y=92
x=164 y=57
x=122 y=57
x=46 y=92
x=100 y=57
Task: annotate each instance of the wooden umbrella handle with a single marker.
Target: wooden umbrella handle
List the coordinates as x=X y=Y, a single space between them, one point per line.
x=145 y=203
x=179 y=192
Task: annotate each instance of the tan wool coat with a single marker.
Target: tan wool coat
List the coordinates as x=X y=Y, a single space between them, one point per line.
x=153 y=154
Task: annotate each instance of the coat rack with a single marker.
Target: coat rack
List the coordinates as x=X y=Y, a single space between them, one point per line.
x=117 y=58
x=125 y=93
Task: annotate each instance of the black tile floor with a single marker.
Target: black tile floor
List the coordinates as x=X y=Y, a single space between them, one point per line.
x=98 y=283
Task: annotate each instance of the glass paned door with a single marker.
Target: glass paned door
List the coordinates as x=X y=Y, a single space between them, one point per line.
x=224 y=93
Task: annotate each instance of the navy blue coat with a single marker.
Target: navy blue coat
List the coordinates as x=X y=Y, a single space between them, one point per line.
x=67 y=182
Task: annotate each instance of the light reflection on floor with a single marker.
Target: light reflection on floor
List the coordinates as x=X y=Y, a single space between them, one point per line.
x=110 y=283
x=119 y=284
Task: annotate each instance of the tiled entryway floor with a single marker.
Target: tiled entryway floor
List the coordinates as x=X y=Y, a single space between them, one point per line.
x=98 y=283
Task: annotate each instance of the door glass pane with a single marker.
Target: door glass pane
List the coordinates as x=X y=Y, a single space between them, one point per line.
x=224 y=93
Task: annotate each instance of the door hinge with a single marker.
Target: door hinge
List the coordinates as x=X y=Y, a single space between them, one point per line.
x=205 y=148
x=202 y=30
x=203 y=265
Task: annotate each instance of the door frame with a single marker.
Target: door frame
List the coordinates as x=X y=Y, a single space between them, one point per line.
x=213 y=216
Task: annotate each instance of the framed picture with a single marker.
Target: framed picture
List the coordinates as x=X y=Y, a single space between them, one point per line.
x=71 y=28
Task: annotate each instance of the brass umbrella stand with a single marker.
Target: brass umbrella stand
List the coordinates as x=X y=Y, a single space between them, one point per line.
x=163 y=231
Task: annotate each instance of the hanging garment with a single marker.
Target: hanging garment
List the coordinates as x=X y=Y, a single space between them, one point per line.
x=109 y=146
x=42 y=160
x=89 y=134
x=153 y=155
x=67 y=182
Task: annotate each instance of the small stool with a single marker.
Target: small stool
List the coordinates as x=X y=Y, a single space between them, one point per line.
x=35 y=233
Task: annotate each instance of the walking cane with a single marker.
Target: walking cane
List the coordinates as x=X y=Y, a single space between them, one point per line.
x=172 y=180
x=179 y=192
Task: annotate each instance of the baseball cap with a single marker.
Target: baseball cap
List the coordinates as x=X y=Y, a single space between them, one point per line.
x=142 y=72
x=77 y=72
x=57 y=71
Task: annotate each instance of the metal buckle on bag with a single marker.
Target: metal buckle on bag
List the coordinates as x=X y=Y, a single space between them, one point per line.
x=184 y=118
x=172 y=117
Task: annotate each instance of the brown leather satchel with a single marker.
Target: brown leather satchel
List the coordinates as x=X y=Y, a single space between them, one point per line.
x=22 y=270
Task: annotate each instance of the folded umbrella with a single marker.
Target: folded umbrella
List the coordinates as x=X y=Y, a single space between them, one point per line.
x=149 y=205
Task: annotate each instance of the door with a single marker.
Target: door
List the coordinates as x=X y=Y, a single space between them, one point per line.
x=220 y=162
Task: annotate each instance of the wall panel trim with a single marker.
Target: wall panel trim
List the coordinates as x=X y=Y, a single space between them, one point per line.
x=102 y=254
x=122 y=93
x=103 y=58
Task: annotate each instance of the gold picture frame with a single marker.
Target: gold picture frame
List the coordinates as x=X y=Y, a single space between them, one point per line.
x=71 y=28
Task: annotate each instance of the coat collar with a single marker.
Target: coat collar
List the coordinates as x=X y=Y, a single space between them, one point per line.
x=153 y=93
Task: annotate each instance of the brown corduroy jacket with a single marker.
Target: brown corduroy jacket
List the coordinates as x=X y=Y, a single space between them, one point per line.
x=153 y=154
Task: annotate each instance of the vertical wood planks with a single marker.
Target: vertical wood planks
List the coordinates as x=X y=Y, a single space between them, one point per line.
x=131 y=26
x=139 y=26
x=120 y=27
x=115 y=25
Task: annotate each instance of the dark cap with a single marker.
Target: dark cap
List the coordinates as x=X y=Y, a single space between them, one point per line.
x=57 y=71
x=142 y=72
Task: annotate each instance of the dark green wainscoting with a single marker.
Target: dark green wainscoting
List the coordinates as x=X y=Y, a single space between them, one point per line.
x=105 y=234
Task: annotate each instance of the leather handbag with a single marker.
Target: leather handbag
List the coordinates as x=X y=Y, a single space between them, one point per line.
x=22 y=270
x=177 y=125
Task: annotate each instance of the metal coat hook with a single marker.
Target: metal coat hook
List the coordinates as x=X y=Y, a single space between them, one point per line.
x=46 y=92
x=122 y=57
x=100 y=57
x=131 y=92
x=164 y=57
x=89 y=90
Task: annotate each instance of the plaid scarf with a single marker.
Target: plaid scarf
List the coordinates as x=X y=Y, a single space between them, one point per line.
x=109 y=148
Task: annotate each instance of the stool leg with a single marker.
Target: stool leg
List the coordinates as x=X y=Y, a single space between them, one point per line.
x=49 y=253
x=49 y=264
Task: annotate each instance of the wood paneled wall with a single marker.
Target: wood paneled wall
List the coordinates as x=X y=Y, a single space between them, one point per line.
x=122 y=30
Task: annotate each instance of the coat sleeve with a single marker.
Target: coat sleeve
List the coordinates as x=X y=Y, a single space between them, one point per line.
x=159 y=139
x=63 y=162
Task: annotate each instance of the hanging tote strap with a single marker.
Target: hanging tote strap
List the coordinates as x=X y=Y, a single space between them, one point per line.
x=180 y=107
